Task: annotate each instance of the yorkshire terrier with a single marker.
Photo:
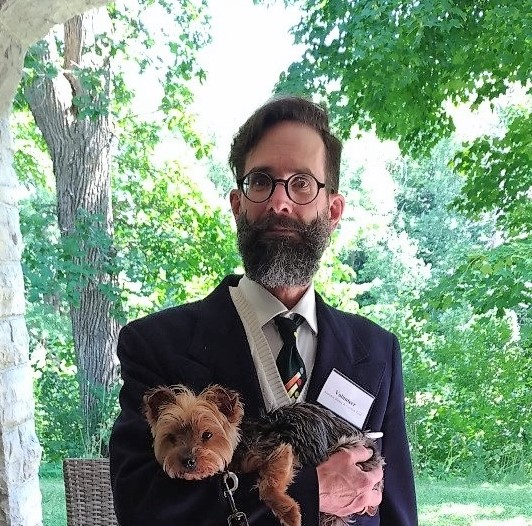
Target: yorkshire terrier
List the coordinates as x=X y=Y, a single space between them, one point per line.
x=197 y=436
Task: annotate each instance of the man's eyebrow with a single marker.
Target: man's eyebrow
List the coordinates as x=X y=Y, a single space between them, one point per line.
x=271 y=171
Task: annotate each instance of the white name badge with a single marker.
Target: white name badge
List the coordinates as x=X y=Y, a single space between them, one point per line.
x=345 y=398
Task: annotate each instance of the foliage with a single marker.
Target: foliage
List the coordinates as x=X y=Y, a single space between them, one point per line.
x=498 y=176
x=335 y=280
x=468 y=385
x=417 y=239
x=167 y=245
x=166 y=37
x=55 y=270
x=452 y=289
x=387 y=269
x=221 y=177
x=57 y=416
x=56 y=267
x=458 y=357
x=476 y=400
x=393 y=64
x=172 y=244
x=155 y=38
x=489 y=279
x=395 y=67
x=425 y=191
x=41 y=258
x=31 y=161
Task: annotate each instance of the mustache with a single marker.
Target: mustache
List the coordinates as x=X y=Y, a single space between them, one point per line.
x=273 y=220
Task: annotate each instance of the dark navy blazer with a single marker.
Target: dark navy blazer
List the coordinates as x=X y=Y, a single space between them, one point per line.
x=203 y=343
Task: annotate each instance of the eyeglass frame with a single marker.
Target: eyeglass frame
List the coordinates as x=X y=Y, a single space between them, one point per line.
x=275 y=182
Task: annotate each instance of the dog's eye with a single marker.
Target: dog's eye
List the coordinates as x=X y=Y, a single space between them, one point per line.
x=207 y=435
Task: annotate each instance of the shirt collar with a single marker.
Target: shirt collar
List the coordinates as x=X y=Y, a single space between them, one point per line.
x=267 y=306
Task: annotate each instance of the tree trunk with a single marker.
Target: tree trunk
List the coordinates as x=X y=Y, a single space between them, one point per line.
x=75 y=123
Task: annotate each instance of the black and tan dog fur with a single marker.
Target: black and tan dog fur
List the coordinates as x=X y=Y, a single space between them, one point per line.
x=197 y=436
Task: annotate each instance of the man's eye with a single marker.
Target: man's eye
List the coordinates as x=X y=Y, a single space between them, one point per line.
x=300 y=183
x=207 y=435
x=259 y=181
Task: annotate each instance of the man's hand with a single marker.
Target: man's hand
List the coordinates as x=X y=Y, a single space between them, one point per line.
x=344 y=487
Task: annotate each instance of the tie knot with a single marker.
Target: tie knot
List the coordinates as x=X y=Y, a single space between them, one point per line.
x=287 y=327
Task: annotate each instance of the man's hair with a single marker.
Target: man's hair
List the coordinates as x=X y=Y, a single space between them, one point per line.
x=280 y=109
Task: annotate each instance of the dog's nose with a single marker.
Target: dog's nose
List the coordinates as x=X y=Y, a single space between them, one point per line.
x=189 y=462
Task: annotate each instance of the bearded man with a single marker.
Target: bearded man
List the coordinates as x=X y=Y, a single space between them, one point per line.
x=286 y=205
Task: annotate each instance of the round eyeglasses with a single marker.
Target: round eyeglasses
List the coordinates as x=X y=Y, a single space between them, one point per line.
x=258 y=187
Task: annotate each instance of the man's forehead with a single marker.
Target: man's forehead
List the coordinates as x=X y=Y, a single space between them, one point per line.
x=288 y=146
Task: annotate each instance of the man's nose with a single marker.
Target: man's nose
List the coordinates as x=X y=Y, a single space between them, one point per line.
x=279 y=202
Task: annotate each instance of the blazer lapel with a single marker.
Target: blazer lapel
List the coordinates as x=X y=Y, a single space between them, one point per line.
x=220 y=335
x=339 y=347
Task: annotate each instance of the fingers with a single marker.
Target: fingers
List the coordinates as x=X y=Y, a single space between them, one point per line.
x=345 y=488
x=365 y=499
x=351 y=456
x=359 y=454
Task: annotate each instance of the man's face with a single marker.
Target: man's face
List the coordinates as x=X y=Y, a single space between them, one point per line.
x=281 y=242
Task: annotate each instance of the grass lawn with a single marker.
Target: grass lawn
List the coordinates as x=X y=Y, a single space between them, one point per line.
x=53 y=501
x=451 y=503
x=462 y=503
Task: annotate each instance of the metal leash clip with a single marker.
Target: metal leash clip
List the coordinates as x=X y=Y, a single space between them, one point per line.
x=237 y=518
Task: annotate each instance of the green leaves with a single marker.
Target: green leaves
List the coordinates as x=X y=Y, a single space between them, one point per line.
x=55 y=267
x=172 y=244
x=499 y=176
x=167 y=36
x=393 y=65
x=494 y=279
x=469 y=407
x=93 y=99
x=37 y=62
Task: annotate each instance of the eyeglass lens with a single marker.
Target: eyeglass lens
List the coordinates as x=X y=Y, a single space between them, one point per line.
x=300 y=188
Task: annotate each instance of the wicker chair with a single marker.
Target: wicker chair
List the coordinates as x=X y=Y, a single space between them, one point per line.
x=89 y=501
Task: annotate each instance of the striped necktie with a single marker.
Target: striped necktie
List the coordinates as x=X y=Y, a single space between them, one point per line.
x=289 y=362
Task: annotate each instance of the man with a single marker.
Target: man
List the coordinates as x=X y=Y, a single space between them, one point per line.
x=286 y=205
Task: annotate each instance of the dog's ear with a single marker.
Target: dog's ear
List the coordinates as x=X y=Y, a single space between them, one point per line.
x=227 y=401
x=154 y=400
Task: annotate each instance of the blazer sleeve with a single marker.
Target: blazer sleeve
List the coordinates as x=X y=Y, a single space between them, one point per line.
x=398 y=506
x=153 y=353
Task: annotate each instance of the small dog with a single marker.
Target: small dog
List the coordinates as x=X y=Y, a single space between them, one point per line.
x=197 y=436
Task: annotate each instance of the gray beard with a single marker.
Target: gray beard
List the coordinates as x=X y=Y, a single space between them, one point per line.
x=282 y=261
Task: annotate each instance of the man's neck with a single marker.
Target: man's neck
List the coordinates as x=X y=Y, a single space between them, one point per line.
x=288 y=296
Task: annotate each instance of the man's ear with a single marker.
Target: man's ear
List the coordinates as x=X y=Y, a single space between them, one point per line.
x=336 y=209
x=235 y=198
